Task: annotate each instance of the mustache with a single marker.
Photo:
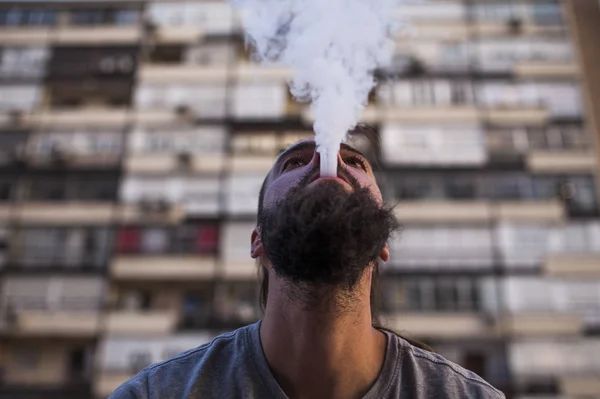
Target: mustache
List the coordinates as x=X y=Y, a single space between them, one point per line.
x=340 y=172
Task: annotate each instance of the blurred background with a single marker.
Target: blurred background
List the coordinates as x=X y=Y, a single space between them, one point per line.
x=135 y=135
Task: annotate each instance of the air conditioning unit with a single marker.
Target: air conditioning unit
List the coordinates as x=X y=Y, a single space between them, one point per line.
x=515 y=26
x=149 y=27
x=415 y=67
x=184 y=159
x=154 y=206
x=16 y=117
x=183 y=110
x=58 y=155
x=19 y=155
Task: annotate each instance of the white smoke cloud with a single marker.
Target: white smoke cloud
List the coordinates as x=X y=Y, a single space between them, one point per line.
x=334 y=46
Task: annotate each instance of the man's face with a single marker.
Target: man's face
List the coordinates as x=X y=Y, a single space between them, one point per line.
x=299 y=165
x=322 y=230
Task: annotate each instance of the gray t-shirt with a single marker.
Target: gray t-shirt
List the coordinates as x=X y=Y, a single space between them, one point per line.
x=233 y=365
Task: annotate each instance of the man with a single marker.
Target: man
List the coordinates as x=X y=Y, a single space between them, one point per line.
x=318 y=240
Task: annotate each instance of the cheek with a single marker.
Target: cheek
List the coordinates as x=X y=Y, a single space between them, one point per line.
x=279 y=187
x=367 y=182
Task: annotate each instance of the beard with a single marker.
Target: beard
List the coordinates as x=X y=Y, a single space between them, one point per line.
x=324 y=235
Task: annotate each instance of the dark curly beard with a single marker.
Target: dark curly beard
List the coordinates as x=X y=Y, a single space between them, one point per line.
x=324 y=235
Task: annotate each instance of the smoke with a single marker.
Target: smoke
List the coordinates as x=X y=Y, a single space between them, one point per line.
x=334 y=46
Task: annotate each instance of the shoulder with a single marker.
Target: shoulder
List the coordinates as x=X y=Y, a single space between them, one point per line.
x=441 y=375
x=212 y=357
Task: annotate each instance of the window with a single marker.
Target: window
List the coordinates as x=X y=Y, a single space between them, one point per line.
x=23 y=62
x=425 y=187
x=432 y=145
x=242 y=194
x=25 y=359
x=197 y=309
x=240 y=303
x=62 y=247
x=6 y=189
x=52 y=293
x=200 y=140
x=109 y=93
x=215 y=18
x=441 y=248
x=77 y=188
x=4 y=239
x=579 y=194
x=12 y=145
x=219 y=54
x=205 y=101
x=17 y=16
x=432 y=294
x=154 y=240
x=184 y=239
x=19 y=97
x=255 y=143
x=105 y=16
x=259 y=101
x=128 y=240
x=79 y=144
x=196 y=239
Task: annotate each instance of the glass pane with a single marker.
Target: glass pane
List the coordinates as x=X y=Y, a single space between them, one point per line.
x=154 y=240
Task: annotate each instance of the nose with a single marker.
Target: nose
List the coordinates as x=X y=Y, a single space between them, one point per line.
x=315 y=162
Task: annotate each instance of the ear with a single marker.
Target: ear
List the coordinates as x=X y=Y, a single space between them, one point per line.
x=385 y=253
x=256 y=246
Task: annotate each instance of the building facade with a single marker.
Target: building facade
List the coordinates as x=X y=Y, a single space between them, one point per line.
x=135 y=136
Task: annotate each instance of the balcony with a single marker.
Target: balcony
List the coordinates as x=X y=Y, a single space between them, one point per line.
x=157 y=164
x=561 y=162
x=444 y=30
x=90 y=117
x=74 y=212
x=535 y=324
x=371 y=114
x=102 y=35
x=495 y=29
x=182 y=74
x=253 y=73
x=5 y=212
x=153 y=322
x=580 y=387
x=251 y=164
x=106 y=382
x=533 y=211
x=57 y=323
x=441 y=325
x=239 y=270
x=163 y=268
x=135 y=214
x=443 y=212
x=24 y=36
x=573 y=265
x=178 y=34
x=546 y=69
x=517 y=115
x=430 y=114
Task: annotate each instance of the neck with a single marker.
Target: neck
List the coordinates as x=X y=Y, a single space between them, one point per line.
x=324 y=351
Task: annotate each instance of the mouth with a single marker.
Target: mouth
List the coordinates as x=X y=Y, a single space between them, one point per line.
x=339 y=179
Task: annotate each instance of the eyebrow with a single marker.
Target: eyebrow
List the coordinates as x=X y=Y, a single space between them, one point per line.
x=304 y=145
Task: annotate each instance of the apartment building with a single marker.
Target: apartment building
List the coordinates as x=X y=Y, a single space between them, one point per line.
x=135 y=136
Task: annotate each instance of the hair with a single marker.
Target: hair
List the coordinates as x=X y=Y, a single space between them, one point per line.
x=375 y=294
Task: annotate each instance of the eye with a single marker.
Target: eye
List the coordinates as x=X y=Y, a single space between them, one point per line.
x=356 y=162
x=293 y=163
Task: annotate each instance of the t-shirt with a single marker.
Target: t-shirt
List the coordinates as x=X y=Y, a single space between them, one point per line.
x=233 y=365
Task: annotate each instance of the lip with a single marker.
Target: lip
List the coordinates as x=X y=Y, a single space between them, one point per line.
x=339 y=179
